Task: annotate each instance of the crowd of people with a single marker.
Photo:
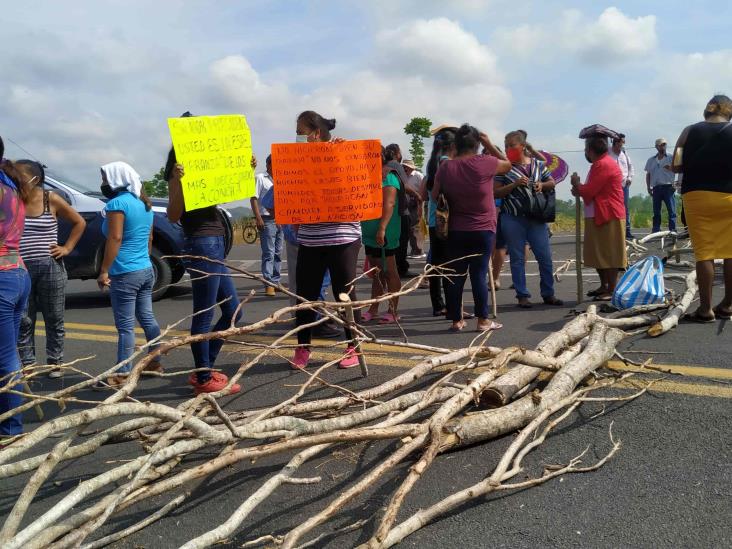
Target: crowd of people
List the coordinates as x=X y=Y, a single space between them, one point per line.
x=477 y=202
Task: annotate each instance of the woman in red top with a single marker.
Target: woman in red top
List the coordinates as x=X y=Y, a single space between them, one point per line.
x=604 y=240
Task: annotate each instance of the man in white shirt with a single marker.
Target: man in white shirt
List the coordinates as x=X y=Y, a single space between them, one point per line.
x=660 y=183
x=617 y=152
x=270 y=234
x=414 y=184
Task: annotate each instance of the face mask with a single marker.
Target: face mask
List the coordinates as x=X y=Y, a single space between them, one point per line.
x=514 y=154
x=299 y=138
x=107 y=191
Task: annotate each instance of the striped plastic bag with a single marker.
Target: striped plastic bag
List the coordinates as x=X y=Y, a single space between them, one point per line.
x=642 y=284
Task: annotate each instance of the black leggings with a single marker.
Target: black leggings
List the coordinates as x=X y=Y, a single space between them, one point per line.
x=438 y=256
x=312 y=262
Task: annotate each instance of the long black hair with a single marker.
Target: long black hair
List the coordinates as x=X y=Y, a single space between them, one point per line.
x=467 y=139
x=444 y=140
x=35 y=169
x=315 y=121
x=171 y=161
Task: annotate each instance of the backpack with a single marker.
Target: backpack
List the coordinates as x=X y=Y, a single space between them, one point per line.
x=397 y=169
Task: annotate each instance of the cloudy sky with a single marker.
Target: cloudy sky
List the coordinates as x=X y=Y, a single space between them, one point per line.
x=88 y=82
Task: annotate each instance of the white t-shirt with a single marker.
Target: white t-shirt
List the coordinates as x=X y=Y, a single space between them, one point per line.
x=415 y=180
x=263 y=183
x=626 y=167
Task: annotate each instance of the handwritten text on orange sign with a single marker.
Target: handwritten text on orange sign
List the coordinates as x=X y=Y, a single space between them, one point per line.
x=327 y=182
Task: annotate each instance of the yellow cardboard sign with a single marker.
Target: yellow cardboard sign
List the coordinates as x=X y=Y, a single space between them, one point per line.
x=216 y=153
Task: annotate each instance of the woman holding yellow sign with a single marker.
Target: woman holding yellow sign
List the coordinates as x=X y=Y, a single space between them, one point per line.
x=210 y=280
x=323 y=246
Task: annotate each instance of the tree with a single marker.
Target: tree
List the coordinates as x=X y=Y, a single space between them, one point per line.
x=419 y=128
x=157 y=186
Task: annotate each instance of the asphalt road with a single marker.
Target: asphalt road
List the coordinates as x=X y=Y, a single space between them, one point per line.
x=669 y=486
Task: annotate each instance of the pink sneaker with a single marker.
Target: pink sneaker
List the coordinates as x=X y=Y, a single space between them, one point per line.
x=351 y=358
x=301 y=358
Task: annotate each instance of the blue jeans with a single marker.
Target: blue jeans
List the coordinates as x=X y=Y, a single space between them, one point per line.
x=517 y=231
x=461 y=244
x=14 y=289
x=271 y=238
x=664 y=194
x=131 y=295
x=207 y=291
x=626 y=198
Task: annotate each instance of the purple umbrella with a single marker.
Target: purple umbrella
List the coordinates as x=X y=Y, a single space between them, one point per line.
x=557 y=166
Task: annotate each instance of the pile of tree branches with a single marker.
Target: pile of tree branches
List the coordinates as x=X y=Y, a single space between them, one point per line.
x=428 y=410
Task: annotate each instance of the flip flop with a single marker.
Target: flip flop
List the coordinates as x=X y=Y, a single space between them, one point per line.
x=389 y=318
x=366 y=316
x=723 y=315
x=593 y=293
x=699 y=319
x=459 y=328
x=602 y=297
x=489 y=326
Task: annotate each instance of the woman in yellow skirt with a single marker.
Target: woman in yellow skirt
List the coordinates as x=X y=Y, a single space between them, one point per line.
x=704 y=156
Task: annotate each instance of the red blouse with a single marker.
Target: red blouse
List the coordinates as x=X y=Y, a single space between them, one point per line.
x=604 y=188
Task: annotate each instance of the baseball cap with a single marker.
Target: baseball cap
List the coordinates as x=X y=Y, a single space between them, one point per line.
x=660 y=141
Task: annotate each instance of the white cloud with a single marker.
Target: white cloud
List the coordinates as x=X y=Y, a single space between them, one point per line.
x=111 y=107
x=612 y=38
x=439 y=48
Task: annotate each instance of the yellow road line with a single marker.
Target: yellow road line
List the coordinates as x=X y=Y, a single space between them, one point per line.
x=250 y=338
x=377 y=359
x=694 y=371
x=694 y=389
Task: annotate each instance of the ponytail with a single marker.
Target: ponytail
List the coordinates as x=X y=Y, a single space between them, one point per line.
x=15 y=174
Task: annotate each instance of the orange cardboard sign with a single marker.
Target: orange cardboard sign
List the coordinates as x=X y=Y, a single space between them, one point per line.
x=327 y=182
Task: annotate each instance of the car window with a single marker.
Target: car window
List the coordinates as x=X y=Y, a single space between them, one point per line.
x=86 y=189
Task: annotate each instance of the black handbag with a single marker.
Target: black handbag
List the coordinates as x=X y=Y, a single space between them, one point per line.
x=543 y=206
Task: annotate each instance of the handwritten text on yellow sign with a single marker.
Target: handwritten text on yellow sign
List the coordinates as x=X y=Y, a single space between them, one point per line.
x=216 y=154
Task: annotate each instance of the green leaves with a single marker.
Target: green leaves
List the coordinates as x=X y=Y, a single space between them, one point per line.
x=419 y=128
x=157 y=186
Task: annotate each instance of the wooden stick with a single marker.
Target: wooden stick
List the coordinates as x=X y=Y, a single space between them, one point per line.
x=578 y=246
x=36 y=406
x=492 y=282
x=350 y=322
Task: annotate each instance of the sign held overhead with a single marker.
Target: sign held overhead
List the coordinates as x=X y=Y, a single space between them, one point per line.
x=216 y=153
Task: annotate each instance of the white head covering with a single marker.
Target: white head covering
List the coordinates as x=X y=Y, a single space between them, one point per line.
x=122 y=176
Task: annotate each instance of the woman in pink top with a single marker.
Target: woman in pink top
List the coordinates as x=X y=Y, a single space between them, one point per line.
x=14 y=286
x=467 y=183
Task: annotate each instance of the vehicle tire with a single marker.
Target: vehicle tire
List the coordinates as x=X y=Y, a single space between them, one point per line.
x=249 y=234
x=163 y=274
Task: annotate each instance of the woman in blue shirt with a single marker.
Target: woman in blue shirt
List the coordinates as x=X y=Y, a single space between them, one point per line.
x=442 y=149
x=126 y=268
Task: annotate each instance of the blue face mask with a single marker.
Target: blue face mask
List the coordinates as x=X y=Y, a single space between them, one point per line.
x=299 y=138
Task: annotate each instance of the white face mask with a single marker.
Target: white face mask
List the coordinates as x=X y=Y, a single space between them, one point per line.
x=301 y=138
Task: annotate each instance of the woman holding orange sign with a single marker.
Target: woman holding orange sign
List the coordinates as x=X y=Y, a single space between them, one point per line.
x=323 y=246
